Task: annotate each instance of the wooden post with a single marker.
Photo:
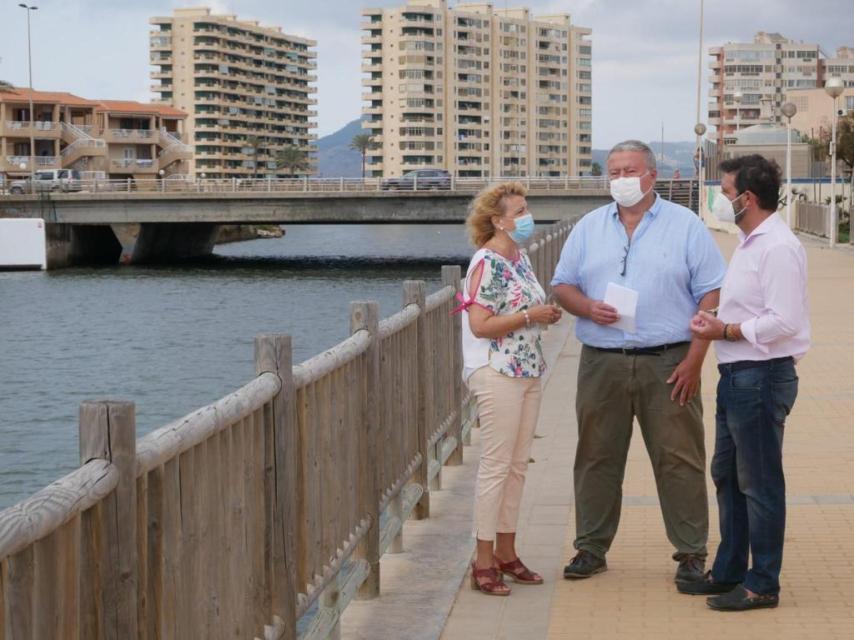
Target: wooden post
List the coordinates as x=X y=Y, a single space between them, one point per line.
x=451 y=276
x=365 y=315
x=414 y=293
x=108 y=432
x=274 y=354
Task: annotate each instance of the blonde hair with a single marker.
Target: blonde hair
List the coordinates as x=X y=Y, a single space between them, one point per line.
x=488 y=203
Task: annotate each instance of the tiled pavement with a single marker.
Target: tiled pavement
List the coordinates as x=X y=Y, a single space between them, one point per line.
x=636 y=598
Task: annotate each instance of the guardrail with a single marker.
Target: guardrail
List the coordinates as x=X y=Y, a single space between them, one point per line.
x=811 y=217
x=273 y=503
x=178 y=184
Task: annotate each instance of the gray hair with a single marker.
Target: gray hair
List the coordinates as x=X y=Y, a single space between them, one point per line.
x=635 y=145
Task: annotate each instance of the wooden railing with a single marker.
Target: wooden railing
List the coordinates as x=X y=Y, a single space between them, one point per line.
x=263 y=514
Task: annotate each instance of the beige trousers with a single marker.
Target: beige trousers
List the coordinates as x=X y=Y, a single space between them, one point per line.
x=507 y=409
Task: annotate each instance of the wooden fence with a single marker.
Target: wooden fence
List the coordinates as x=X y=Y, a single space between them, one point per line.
x=263 y=514
x=812 y=217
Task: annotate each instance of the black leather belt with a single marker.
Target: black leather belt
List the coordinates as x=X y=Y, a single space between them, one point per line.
x=642 y=351
x=729 y=367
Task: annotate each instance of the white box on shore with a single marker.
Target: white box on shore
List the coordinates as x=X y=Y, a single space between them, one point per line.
x=23 y=244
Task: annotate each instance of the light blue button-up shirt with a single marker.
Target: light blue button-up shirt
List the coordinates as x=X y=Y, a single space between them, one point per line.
x=672 y=262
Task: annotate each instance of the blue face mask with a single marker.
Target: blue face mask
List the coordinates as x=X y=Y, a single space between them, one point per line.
x=524 y=229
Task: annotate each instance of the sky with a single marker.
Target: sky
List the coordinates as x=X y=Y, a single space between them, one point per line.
x=645 y=52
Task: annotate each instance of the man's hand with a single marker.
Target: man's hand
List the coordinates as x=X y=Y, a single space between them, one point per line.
x=706 y=326
x=602 y=313
x=685 y=380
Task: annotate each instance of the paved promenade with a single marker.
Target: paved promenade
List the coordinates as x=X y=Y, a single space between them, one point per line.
x=636 y=598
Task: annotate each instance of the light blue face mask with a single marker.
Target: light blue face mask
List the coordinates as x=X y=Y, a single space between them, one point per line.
x=524 y=229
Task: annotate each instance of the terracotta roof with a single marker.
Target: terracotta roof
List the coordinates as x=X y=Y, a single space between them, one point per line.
x=129 y=106
x=22 y=94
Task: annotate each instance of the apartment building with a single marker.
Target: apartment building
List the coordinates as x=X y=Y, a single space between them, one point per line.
x=107 y=138
x=749 y=80
x=815 y=109
x=248 y=90
x=476 y=90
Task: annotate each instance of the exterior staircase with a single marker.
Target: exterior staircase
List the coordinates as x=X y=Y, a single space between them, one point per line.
x=79 y=145
x=174 y=150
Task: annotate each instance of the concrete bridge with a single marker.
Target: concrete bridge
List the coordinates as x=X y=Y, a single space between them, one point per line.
x=147 y=225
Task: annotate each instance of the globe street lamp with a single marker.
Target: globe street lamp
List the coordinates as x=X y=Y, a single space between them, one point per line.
x=700 y=131
x=29 y=9
x=834 y=87
x=789 y=110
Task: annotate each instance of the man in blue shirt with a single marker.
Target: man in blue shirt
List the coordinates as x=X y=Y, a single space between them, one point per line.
x=663 y=252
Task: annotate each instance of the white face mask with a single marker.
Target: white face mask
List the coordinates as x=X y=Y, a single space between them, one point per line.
x=626 y=192
x=723 y=209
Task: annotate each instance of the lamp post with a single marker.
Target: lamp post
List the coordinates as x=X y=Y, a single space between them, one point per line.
x=700 y=131
x=736 y=97
x=789 y=110
x=699 y=84
x=32 y=161
x=834 y=87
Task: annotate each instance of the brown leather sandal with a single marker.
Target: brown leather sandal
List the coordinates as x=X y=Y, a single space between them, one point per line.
x=493 y=586
x=519 y=572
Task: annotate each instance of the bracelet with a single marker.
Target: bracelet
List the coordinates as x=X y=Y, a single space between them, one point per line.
x=527 y=317
x=726 y=326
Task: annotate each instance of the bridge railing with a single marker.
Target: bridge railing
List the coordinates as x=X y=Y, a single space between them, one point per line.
x=185 y=184
x=260 y=515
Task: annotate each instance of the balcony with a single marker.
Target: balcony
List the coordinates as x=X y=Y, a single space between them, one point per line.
x=41 y=129
x=139 y=136
x=133 y=165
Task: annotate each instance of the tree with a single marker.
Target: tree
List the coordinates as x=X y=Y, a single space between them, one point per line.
x=293 y=159
x=361 y=143
x=596 y=169
x=6 y=86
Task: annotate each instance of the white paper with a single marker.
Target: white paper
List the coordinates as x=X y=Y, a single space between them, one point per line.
x=625 y=301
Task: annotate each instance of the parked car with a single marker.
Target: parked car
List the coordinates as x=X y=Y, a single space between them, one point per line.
x=49 y=180
x=420 y=179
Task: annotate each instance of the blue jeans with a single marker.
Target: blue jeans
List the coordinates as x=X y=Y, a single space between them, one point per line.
x=747 y=468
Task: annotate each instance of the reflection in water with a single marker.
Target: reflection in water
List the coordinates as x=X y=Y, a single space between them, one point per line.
x=175 y=338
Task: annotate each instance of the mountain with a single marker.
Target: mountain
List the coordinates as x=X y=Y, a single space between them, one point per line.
x=677 y=155
x=335 y=157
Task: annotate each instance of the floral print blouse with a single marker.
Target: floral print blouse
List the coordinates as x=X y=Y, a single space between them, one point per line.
x=509 y=286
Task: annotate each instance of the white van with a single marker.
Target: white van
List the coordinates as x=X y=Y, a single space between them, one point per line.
x=49 y=180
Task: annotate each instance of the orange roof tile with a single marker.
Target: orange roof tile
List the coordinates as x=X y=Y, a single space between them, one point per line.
x=130 y=106
x=22 y=94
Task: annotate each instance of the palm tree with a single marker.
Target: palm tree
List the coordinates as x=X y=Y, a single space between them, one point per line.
x=292 y=158
x=361 y=143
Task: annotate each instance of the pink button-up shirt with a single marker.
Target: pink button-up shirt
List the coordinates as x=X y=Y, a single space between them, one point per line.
x=765 y=290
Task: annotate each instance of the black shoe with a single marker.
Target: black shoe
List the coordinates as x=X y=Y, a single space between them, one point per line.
x=738 y=600
x=691 y=569
x=584 y=565
x=705 y=587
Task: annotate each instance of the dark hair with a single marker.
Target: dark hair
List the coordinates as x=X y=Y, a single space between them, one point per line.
x=758 y=175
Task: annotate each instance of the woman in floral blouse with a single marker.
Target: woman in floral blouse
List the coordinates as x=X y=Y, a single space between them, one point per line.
x=505 y=312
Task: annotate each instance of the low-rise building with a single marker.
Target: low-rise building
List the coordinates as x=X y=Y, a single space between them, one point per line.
x=106 y=138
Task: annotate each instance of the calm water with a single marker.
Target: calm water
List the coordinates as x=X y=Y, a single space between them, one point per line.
x=173 y=339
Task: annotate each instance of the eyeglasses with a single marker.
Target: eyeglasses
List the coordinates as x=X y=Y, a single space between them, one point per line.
x=624 y=262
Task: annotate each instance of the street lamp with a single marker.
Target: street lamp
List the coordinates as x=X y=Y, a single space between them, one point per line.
x=700 y=131
x=29 y=9
x=834 y=87
x=789 y=110
x=736 y=97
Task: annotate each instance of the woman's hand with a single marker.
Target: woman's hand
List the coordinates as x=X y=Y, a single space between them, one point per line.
x=544 y=313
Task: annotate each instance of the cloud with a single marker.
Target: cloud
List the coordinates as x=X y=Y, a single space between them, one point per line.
x=644 y=51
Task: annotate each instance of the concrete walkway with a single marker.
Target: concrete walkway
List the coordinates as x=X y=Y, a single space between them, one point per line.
x=636 y=598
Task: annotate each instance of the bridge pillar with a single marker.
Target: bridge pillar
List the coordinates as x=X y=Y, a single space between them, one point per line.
x=73 y=245
x=164 y=242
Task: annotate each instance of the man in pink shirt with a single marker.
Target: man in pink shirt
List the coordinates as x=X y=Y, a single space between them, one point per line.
x=761 y=330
